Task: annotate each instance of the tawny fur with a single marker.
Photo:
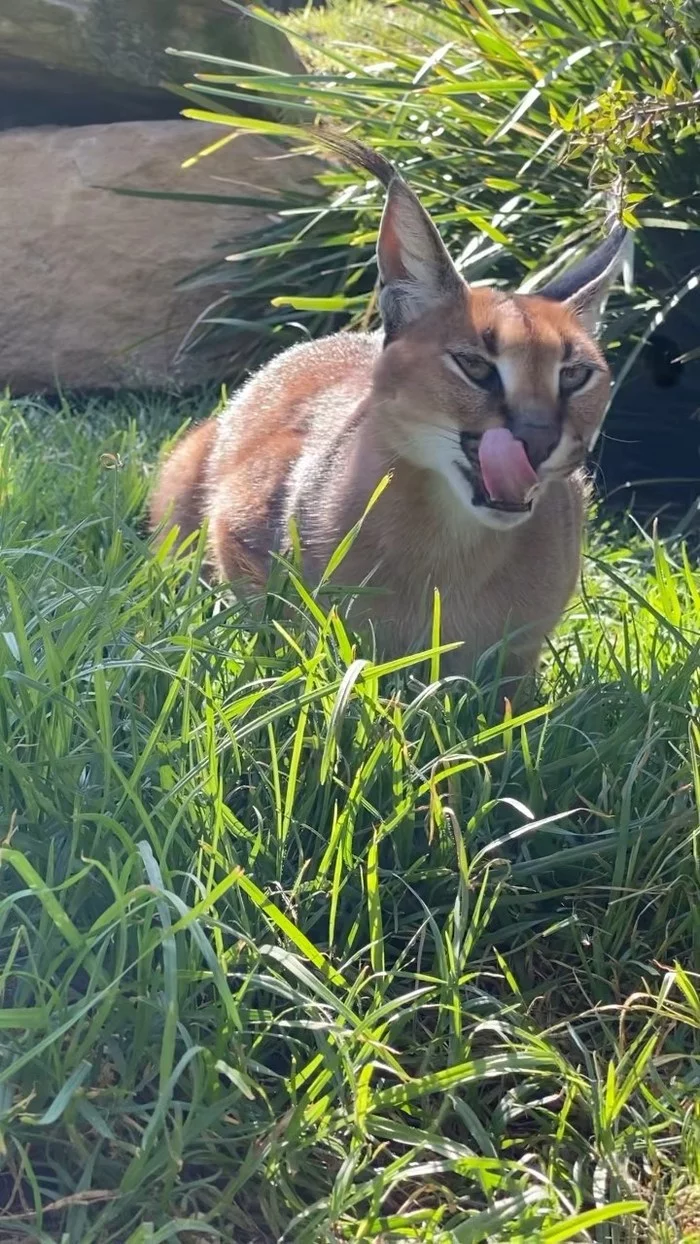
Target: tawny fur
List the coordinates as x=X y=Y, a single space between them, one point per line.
x=312 y=434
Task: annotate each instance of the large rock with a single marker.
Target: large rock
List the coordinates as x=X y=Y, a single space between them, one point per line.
x=89 y=276
x=114 y=51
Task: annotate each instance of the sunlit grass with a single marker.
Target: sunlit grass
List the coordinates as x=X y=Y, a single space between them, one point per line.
x=292 y=950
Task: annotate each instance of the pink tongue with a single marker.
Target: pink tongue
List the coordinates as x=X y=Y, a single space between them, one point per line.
x=506 y=471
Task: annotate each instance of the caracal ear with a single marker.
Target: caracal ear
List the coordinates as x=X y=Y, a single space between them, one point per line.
x=584 y=289
x=415 y=269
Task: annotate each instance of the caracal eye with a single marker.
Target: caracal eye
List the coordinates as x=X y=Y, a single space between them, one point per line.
x=475 y=368
x=574 y=377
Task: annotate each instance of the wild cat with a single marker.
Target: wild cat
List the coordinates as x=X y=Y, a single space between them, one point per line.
x=481 y=404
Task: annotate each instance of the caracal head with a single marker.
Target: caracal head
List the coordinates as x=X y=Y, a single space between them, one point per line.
x=496 y=393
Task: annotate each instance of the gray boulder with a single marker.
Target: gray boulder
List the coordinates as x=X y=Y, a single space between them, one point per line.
x=89 y=277
x=89 y=61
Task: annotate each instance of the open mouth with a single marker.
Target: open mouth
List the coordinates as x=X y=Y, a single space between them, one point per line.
x=481 y=498
x=505 y=507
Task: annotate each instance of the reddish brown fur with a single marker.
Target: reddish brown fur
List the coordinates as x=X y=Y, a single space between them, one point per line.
x=312 y=434
x=181 y=493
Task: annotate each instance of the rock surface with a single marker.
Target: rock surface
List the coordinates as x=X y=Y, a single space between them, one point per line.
x=88 y=276
x=115 y=50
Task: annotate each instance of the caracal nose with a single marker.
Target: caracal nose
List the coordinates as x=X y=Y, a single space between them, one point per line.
x=539 y=439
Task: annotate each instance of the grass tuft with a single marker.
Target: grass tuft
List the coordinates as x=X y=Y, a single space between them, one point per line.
x=299 y=948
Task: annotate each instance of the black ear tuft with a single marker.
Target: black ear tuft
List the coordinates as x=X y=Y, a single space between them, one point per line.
x=357 y=155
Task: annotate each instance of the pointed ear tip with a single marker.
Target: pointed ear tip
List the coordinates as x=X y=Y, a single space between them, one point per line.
x=397 y=185
x=621 y=233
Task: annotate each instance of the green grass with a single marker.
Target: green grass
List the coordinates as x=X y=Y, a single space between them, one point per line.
x=294 y=948
x=521 y=126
